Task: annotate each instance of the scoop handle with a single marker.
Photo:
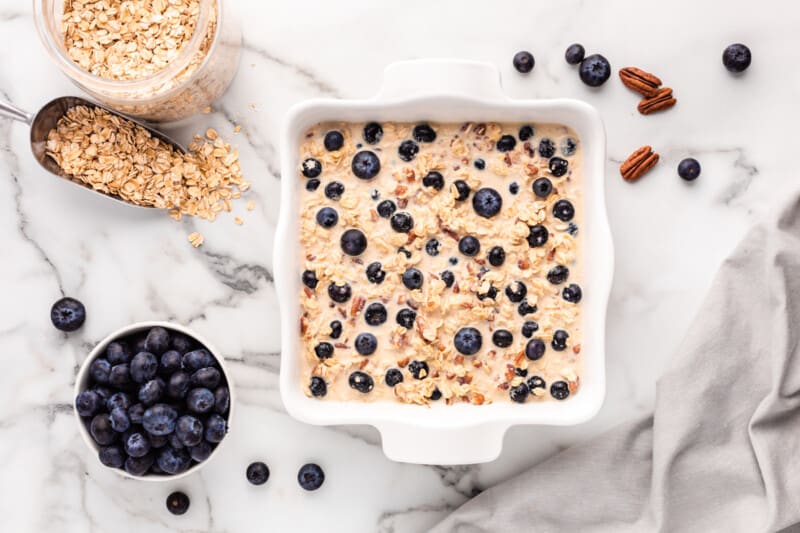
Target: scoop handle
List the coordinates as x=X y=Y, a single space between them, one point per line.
x=14 y=113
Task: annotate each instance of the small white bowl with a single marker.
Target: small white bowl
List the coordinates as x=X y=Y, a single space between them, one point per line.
x=82 y=382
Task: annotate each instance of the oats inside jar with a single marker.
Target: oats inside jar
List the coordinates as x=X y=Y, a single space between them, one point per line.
x=441 y=262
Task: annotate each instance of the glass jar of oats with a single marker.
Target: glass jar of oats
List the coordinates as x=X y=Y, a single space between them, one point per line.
x=159 y=60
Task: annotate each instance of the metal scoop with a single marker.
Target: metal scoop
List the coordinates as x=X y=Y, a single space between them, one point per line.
x=46 y=120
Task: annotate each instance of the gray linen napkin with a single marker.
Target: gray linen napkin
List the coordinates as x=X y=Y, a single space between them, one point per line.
x=721 y=452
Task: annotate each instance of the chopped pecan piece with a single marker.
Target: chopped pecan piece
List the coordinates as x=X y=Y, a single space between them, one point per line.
x=638 y=163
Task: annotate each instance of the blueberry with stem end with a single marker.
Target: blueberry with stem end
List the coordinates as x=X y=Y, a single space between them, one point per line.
x=311 y=168
x=736 y=58
x=523 y=61
x=257 y=473
x=365 y=165
x=594 y=70
x=310 y=476
x=689 y=169
x=574 y=54
x=67 y=314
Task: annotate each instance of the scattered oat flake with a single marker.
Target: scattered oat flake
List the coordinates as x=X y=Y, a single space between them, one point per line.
x=251 y=205
x=238 y=221
x=237 y=129
x=211 y=133
x=196 y=239
x=207 y=110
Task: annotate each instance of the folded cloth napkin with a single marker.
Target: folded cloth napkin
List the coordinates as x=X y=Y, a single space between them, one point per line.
x=721 y=452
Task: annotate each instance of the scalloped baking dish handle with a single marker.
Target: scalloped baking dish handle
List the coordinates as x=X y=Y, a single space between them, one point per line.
x=428 y=77
x=442 y=446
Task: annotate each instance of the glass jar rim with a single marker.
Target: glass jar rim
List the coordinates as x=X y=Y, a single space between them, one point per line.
x=166 y=74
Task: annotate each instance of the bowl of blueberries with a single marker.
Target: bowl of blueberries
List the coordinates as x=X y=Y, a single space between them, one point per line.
x=153 y=401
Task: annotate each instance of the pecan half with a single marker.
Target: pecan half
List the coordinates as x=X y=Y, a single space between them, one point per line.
x=638 y=163
x=660 y=101
x=640 y=81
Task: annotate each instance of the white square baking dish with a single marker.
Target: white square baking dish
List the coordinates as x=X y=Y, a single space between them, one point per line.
x=447 y=91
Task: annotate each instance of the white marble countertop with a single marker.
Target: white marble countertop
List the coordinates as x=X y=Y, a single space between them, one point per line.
x=126 y=265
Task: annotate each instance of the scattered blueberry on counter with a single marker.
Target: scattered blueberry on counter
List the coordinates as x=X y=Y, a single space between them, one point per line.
x=310 y=477
x=67 y=314
x=523 y=61
x=150 y=411
x=177 y=503
x=574 y=54
x=594 y=70
x=736 y=58
x=689 y=169
x=257 y=473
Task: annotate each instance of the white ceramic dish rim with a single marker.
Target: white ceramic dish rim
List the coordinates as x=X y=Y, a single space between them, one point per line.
x=82 y=380
x=441 y=91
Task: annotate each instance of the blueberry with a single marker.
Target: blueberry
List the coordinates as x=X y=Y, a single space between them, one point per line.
x=386 y=208
x=529 y=328
x=453 y=260
x=594 y=70
x=519 y=393
x=463 y=190
x=523 y=61
x=558 y=274
x=200 y=400
x=189 y=430
x=412 y=278
x=334 y=140
x=361 y=382
x=334 y=190
x=208 y=377
x=521 y=372
x=448 y=278
x=104 y=393
x=393 y=377
x=336 y=329
x=119 y=400
x=178 y=385
x=169 y=363
x=313 y=184
x=311 y=168
x=258 y=473
x=137 y=445
x=216 y=428
x=559 y=390
x=534 y=350
x=516 y=291
x=375 y=314
x=120 y=376
x=402 y=222
x=181 y=343
x=111 y=456
x=496 y=256
x=689 y=169
x=174 y=441
x=480 y=164
x=487 y=202
x=101 y=430
x=160 y=419
x=88 y=403
x=339 y=293
x=100 y=371
x=546 y=148
x=67 y=314
x=434 y=179
x=526 y=309
x=119 y=420
x=327 y=217
x=138 y=466
x=201 y=451
x=157 y=341
x=423 y=133
x=563 y=210
x=374 y=194
x=138 y=344
x=152 y=391
x=222 y=400
x=353 y=242
x=318 y=387
x=558 y=166
x=568 y=146
x=502 y=338
x=375 y=273
x=373 y=133
x=419 y=369
x=536 y=382
x=177 y=503
x=403 y=250
x=574 y=54
x=468 y=341
x=158 y=441
x=506 y=143
x=366 y=343
x=324 y=350
x=525 y=133
x=118 y=352
x=736 y=57
x=408 y=150
x=197 y=359
x=310 y=476
x=406 y=317
x=144 y=367
x=310 y=279
x=572 y=293
x=436 y=395
x=432 y=247
x=173 y=461
x=559 y=342
x=542 y=187
x=513 y=187
x=572 y=229
x=490 y=293
x=136 y=413
x=366 y=165
x=469 y=246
